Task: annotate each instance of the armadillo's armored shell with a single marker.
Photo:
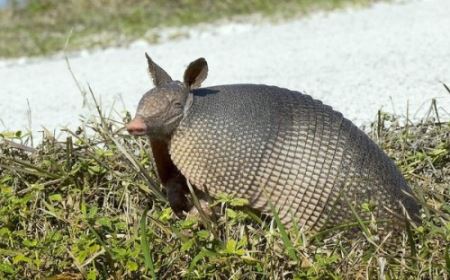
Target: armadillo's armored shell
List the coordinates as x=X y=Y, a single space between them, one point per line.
x=259 y=142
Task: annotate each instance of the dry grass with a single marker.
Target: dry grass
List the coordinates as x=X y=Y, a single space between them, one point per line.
x=89 y=207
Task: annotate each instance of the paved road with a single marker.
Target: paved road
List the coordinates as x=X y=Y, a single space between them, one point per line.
x=355 y=60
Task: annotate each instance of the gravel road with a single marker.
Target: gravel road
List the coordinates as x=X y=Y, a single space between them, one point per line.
x=357 y=61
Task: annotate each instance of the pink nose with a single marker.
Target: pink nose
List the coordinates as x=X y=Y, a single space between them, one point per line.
x=137 y=127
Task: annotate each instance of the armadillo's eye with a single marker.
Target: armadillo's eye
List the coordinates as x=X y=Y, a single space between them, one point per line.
x=177 y=104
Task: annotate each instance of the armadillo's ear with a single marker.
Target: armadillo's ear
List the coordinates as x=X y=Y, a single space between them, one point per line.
x=196 y=73
x=159 y=76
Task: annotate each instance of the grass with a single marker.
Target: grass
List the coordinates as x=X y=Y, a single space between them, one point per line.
x=42 y=26
x=89 y=207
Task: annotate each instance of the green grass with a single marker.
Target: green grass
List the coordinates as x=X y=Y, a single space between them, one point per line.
x=43 y=26
x=89 y=207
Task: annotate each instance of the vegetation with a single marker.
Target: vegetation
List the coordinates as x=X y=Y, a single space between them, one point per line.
x=89 y=207
x=43 y=27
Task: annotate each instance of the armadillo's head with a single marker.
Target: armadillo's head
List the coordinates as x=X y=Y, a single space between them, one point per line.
x=161 y=109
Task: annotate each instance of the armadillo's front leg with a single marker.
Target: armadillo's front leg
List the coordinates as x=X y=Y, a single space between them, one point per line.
x=176 y=194
x=172 y=180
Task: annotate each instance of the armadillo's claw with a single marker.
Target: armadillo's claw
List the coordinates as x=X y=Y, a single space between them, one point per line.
x=204 y=205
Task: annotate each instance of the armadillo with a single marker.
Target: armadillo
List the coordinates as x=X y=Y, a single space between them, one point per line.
x=279 y=149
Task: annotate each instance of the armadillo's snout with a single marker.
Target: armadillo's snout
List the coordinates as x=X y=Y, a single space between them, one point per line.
x=137 y=127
